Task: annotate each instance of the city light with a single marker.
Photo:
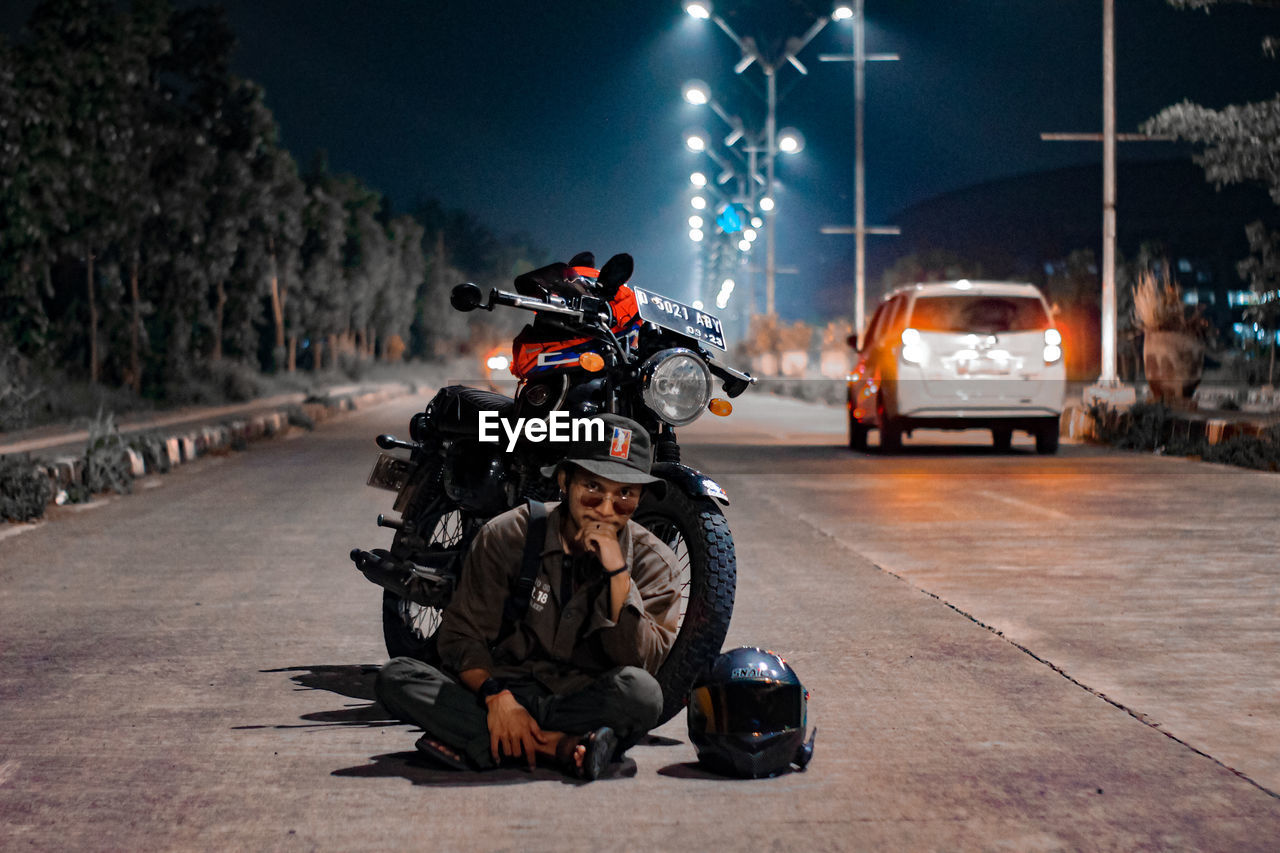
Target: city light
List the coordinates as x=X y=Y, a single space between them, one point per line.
x=697 y=93
x=699 y=9
x=744 y=245
x=750 y=235
x=766 y=203
x=841 y=13
x=695 y=221
x=696 y=140
x=698 y=179
x=698 y=202
x=757 y=222
x=695 y=234
x=790 y=141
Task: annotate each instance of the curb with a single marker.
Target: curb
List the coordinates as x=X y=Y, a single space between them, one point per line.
x=1077 y=423
x=158 y=451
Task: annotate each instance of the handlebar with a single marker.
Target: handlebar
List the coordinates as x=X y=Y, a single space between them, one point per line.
x=468 y=297
x=528 y=303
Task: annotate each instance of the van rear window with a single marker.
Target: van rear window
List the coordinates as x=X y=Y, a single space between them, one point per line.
x=978 y=314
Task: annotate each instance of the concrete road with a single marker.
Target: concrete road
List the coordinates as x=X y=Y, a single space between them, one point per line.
x=1005 y=652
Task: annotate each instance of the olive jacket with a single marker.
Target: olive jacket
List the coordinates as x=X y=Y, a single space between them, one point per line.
x=566 y=638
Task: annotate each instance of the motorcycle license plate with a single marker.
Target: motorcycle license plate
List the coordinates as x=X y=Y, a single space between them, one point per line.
x=389 y=472
x=678 y=317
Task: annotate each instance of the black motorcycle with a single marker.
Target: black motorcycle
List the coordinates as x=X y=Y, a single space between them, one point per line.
x=595 y=345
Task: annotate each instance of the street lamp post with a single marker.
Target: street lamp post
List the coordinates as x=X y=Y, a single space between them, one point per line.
x=786 y=140
x=702 y=10
x=860 y=229
x=1108 y=387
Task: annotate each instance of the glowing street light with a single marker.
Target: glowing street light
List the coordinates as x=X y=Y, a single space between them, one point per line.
x=749 y=235
x=699 y=9
x=757 y=222
x=744 y=245
x=698 y=202
x=698 y=179
x=790 y=141
x=695 y=221
x=695 y=140
x=695 y=234
x=697 y=93
x=766 y=203
x=841 y=13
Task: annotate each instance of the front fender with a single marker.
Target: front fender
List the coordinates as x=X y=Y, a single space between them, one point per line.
x=693 y=482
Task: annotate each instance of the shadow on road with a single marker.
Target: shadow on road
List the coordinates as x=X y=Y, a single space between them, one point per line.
x=694 y=770
x=420 y=770
x=354 y=681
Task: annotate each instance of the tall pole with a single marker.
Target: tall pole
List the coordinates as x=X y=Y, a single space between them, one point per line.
x=859 y=167
x=770 y=131
x=1108 y=193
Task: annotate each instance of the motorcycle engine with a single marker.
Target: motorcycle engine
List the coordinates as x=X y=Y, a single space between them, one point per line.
x=476 y=479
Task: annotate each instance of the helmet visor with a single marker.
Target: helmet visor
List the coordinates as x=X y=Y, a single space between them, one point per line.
x=748 y=707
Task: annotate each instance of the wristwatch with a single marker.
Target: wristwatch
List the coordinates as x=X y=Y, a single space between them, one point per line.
x=490 y=687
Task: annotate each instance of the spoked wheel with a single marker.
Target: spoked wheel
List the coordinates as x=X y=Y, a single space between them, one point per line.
x=696 y=530
x=409 y=629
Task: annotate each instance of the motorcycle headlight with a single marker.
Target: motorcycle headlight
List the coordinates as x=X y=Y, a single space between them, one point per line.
x=677 y=386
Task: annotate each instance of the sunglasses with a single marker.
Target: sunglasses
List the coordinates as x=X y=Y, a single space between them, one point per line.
x=593 y=496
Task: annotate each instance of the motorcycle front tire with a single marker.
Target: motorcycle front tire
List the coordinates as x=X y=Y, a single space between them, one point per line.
x=696 y=529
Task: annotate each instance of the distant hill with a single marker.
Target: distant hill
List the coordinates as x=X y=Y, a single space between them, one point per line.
x=1014 y=226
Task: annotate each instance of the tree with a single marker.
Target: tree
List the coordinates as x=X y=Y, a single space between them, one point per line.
x=83 y=72
x=23 y=231
x=1262 y=270
x=929 y=265
x=1242 y=141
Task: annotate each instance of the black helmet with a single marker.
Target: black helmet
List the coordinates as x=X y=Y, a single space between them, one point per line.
x=747 y=715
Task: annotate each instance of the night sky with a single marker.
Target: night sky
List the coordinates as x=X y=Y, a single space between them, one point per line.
x=563 y=120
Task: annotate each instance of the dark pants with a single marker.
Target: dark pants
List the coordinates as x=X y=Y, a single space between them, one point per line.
x=627 y=700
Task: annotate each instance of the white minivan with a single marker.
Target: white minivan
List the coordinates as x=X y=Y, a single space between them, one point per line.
x=958 y=355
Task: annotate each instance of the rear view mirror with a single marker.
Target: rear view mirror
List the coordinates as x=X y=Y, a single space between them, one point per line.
x=615 y=273
x=852 y=340
x=466 y=297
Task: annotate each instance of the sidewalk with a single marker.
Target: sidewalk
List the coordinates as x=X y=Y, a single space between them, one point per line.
x=157 y=442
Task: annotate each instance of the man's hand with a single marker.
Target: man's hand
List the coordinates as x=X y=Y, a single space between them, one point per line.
x=512 y=731
x=601 y=540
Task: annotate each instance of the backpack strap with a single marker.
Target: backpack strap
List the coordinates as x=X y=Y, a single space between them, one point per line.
x=517 y=604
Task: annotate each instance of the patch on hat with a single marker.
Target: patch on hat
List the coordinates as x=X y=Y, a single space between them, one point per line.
x=620 y=447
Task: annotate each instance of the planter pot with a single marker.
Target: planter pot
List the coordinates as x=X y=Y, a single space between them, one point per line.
x=1174 y=362
x=794 y=362
x=765 y=364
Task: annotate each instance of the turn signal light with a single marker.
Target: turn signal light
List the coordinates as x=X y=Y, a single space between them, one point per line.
x=720 y=407
x=591 y=362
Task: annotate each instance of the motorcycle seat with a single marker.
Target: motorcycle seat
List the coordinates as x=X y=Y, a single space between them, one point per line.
x=456 y=408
